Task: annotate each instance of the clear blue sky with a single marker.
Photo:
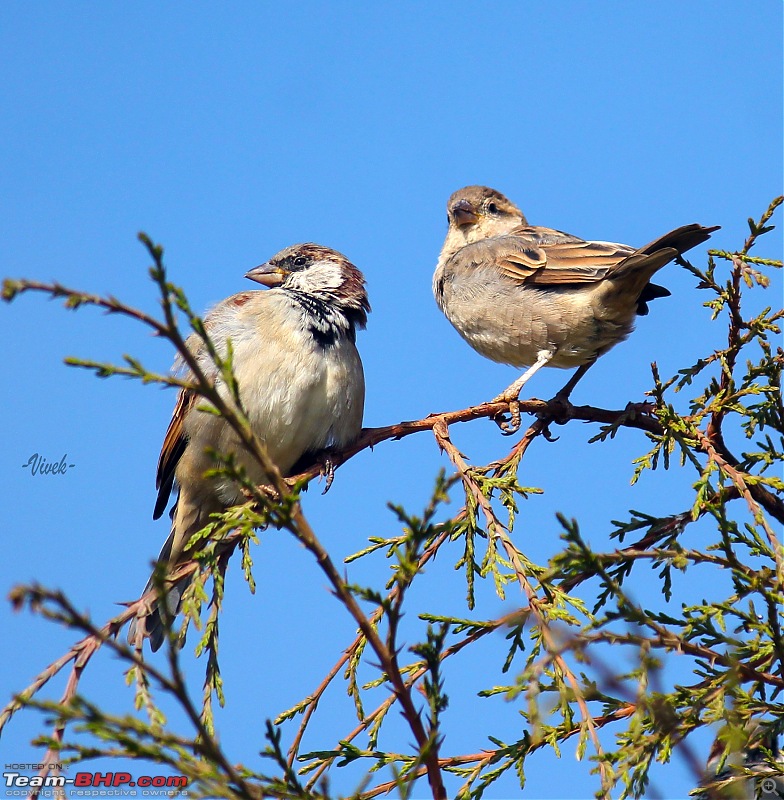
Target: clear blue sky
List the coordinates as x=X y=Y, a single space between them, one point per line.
x=230 y=131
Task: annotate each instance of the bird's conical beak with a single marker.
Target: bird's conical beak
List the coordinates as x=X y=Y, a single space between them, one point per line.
x=267 y=275
x=463 y=213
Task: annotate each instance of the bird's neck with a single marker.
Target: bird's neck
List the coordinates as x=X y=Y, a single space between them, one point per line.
x=327 y=321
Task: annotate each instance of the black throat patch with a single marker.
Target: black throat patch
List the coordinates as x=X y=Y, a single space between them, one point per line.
x=322 y=319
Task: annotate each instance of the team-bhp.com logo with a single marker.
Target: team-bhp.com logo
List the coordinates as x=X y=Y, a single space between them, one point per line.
x=103 y=780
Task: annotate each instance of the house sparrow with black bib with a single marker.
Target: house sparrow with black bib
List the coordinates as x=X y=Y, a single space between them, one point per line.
x=534 y=297
x=300 y=382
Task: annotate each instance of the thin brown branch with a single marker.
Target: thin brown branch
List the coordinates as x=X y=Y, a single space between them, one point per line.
x=548 y=410
x=426 y=556
x=670 y=641
x=495 y=528
x=387 y=660
x=411 y=680
x=745 y=490
x=488 y=757
x=106 y=635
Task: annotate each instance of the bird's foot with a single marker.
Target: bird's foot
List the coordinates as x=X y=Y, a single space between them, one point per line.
x=512 y=393
x=328 y=471
x=508 y=426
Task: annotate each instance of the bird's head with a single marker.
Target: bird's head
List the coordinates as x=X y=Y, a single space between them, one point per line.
x=478 y=212
x=320 y=272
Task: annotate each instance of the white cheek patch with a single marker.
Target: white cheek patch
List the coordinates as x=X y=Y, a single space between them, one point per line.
x=323 y=275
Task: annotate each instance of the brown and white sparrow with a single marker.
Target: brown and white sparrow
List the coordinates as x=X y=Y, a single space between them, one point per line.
x=300 y=382
x=531 y=296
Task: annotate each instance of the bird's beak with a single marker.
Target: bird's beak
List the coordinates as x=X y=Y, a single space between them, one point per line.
x=463 y=213
x=267 y=275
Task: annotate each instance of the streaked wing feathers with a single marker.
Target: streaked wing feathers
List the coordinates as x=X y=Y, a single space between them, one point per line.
x=174 y=444
x=548 y=257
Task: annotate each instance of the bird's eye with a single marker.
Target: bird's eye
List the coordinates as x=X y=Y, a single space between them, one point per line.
x=492 y=208
x=300 y=261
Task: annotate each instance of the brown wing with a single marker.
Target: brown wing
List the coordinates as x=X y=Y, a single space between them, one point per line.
x=545 y=256
x=175 y=440
x=174 y=444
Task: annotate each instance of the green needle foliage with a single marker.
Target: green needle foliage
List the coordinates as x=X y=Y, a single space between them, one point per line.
x=584 y=663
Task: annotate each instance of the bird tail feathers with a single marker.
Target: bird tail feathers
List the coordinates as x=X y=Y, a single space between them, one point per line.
x=641 y=265
x=188 y=518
